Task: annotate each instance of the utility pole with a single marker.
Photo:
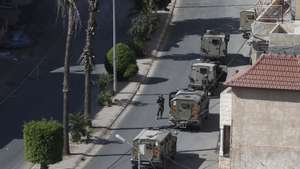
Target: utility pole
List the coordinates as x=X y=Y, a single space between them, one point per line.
x=114 y=48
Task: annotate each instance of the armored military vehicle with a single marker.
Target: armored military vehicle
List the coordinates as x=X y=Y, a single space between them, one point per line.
x=214 y=44
x=188 y=108
x=247 y=17
x=152 y=148
x=207 y=76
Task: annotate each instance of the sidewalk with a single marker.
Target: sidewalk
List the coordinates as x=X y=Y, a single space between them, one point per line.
x=81 y=154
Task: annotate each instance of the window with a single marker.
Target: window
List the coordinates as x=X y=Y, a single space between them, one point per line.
x=250 y=17
x=203 y=71
x=226 y=141
x=185 y=105
x=215 y=42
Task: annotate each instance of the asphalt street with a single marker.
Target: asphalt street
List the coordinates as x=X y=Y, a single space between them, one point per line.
x=40 y=94
x=196 y=150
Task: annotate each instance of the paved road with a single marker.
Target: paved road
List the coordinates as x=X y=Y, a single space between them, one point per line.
x=41 y=97
x=170 y=71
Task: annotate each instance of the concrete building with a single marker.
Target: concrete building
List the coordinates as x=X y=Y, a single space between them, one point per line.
x=260 y=117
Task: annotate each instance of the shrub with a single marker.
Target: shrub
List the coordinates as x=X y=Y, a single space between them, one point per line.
x=78 y=127
x=138 y=46
x=105 y=98
x=131 y=71
x=43 y=142
x=125 y=57
x=104 y=80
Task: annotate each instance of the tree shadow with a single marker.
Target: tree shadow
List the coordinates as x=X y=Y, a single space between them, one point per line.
x=154 y=80
x=180 y=29
x=185 y=160
x=101 y=141
x=138 y=103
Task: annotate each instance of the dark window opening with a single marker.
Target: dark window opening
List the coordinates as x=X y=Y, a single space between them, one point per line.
x=226 y=141
x=203 y=71
x=215 y=42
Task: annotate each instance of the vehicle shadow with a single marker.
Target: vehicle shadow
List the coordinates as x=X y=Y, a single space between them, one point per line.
x=185 y=160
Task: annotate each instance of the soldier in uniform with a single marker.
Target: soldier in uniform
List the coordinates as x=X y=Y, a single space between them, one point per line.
x=161 y=102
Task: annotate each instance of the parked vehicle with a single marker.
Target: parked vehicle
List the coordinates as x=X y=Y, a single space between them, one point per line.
x=188 y=108
x=152 y=148
x=207 y=76
x=214 y=45
x=247 y=17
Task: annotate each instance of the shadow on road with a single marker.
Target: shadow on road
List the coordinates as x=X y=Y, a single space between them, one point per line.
x=211 y=124
x=101 y=141
x=180 y=29
x=186 y=160
x=135 y=128
x=185 y=57
x=154 y=80
x=101 y=155
x=237 y=60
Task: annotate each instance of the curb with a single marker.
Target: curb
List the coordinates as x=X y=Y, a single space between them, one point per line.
x=154 y=53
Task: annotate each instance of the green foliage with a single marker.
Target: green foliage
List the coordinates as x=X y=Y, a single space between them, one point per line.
x=124 y=55
x=138 y=47
x=105 y=98
x=143 y=25
x=43 y=141
x=131 y=71
x=78 y=127
x=104 y=80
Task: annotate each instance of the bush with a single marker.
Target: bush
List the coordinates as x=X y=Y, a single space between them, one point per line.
x=125 y=57
x=104 y=80
x=131 y=71
x=138 y=47
x=105 y=98
x=43 y=142
x=78 y=127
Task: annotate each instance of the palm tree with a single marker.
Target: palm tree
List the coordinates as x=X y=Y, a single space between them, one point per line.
x=87 y=56
x=69 y=7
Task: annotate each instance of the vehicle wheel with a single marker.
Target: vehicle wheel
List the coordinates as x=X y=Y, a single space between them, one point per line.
x=134 y=167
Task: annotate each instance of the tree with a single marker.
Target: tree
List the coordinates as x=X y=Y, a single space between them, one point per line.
x=43 y=142
x=87 y=56
x=69 y=7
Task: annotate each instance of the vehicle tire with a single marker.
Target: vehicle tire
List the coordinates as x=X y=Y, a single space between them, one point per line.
x=134 y=167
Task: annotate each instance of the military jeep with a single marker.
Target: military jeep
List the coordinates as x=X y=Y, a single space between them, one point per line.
x=152 y=148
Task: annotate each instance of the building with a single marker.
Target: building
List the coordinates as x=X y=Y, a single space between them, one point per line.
x=260 y=117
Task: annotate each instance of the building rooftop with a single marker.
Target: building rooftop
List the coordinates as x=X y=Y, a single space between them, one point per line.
x=271 y=71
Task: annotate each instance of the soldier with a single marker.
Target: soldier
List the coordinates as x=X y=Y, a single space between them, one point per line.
x=161 y=102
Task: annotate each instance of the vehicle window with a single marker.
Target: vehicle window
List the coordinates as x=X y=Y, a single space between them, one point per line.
x=203 y=70
x=250 y=17
x=185 y=105
x=149 y=146
x=215 y=42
